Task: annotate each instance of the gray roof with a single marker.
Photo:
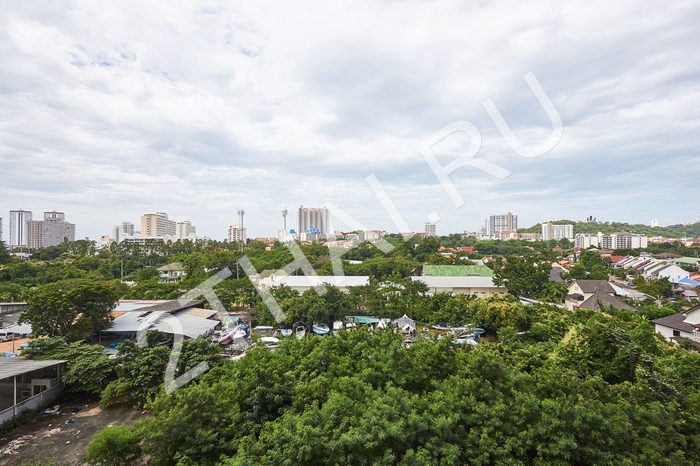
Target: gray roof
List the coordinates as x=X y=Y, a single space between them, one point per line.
x=591 y=286
x=606 y=299
x=180 y=324
x=9 y=367
x=172 y=306
x=675 y=321
x=172 y=267
x=555 y=275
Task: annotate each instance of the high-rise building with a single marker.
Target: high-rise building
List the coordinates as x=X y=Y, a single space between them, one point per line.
x=557 y=232
x=496 y=224
x=18 y=227
x=126 y=229
x=157 y=225
x=185 y=230
x=655 y=223
x=0 y=229
x=51 y=231
x=236 y=234
x=314 y=220
x=430 y=229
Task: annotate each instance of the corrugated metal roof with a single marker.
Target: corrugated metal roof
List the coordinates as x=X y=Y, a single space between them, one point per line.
x=9 y=367
x=198 y=312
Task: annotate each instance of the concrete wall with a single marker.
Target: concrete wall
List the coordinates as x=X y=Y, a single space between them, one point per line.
x=32 y=403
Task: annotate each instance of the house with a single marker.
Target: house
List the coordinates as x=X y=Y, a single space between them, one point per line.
x=471 y=285
x=555 y=275
x=27 y=384
x=589 y=294
x=601 y=298
x=688 y=261
x=171 y=273
x=676 y=327
x=580 y=290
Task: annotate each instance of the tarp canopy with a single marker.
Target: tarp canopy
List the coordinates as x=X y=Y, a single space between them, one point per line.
x=365 y=320
x=688 y=281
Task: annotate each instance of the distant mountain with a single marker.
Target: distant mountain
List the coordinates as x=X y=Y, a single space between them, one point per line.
x=671 y=231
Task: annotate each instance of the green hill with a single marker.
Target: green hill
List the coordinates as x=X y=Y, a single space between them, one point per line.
x=671 y=231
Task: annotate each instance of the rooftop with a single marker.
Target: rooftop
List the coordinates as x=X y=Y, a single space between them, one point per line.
x=457 y=270
x=10 y=367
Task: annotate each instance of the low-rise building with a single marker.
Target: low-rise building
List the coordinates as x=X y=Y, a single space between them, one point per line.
x=171 y=273
x=471 y=285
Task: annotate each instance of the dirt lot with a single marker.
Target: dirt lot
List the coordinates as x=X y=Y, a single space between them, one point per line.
x=53 y=437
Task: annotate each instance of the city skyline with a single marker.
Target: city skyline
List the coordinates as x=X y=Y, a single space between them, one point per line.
x=251 y=113
x=223 y=232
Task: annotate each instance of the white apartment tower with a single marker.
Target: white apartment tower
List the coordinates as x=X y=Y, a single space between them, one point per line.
x=430 y=229
x=500 y=223
x=185 y=230
x=126 y=229
x=557 y=232
x=18 y=227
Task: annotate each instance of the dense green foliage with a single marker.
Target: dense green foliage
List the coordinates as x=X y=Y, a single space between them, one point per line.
x=579 y=388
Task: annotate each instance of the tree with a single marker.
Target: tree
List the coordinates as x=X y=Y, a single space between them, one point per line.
x=523 y=276
x=89 y=369
x=73 y=309
x=5 y=256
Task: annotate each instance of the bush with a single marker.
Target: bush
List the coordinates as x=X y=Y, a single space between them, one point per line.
x=114 y=446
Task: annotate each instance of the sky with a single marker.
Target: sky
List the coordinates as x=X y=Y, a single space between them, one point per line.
x=199 y=109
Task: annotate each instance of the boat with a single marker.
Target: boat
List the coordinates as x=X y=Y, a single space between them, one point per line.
x=270 y=342
x=300 y=331
x=321 y=329
x=263 y=329
x=286 y=332
x=442 y=326
x=237 y=335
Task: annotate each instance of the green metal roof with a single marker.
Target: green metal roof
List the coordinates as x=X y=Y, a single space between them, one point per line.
x=687 y=260
x=457 y=271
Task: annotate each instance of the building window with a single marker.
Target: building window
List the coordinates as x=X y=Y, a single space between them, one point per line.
x=676 y=333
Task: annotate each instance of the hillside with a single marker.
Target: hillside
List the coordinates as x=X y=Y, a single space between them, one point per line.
x=671 y=231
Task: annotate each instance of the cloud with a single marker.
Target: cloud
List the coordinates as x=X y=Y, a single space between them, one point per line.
x=199 y=109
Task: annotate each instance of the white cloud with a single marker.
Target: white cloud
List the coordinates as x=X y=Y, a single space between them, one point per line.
x=111 y=111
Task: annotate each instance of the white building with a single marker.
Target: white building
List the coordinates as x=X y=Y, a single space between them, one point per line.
x=557 y=232
x=471 y=285
x=236 y=234
x=500 y=225
x=372 y=235
x=430 y=229
x=119 y=232
x=655 y=223
x=302 y=283
x=18 y=227
x=620 y=240
x=680 y=326
x=185 y=230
